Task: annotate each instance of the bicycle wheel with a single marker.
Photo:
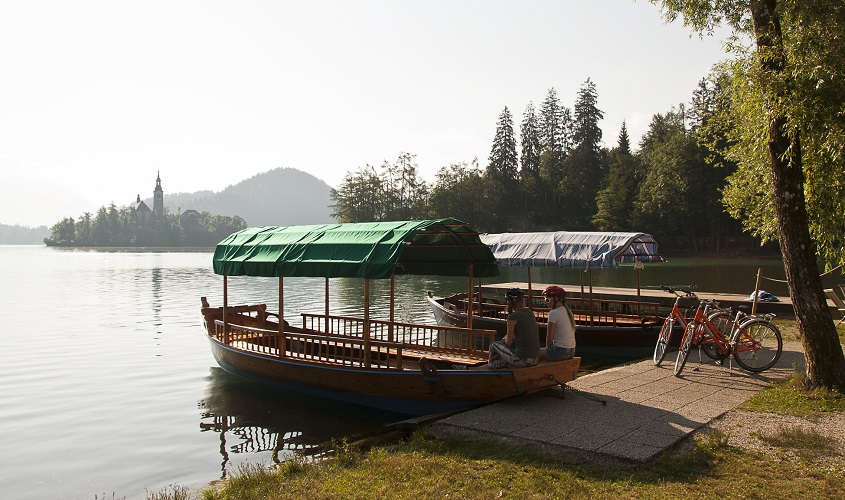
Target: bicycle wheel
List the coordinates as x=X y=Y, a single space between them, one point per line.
x=663 y=341
x=686 y=345
x=758 y=345
x=724 y=322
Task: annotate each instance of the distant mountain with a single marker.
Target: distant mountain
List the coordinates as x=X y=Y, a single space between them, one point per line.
x=282 y=196
x=21 y=235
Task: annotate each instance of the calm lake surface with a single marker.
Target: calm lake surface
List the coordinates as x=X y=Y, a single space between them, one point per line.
x=108 y=385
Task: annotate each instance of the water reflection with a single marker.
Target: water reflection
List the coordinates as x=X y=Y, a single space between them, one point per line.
x=156 y=296
x=254 y=419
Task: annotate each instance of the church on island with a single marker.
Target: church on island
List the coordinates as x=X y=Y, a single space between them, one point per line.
x=142 y=210
x=143 y=213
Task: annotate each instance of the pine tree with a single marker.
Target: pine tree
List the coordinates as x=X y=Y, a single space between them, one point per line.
x=551 y=124
x=623 y=144
x=614 y=202
x=503 y=174
x=530 y=142
x=529 y=173
x=587 y=132
x=503 y=164
x=584 y=169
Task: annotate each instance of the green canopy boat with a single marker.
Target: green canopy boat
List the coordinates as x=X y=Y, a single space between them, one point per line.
x=406 y=368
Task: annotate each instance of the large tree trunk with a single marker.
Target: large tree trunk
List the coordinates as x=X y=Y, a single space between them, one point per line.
x=823 y=351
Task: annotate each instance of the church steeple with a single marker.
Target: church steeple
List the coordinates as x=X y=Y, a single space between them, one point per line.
x=158 y=197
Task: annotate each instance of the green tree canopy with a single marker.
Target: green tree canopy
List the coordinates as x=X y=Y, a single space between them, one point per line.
x=787 y=94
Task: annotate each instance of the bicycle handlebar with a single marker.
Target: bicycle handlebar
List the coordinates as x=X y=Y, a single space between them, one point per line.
x=688 y=293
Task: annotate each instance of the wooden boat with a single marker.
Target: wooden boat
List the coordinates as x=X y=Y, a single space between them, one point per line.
x=602 y=331
x=607 y=328
x=401 y=367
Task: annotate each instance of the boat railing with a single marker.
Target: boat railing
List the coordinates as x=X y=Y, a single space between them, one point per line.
x=588 y=312
x=446 y=339
x=316 y=347
x=609 y=310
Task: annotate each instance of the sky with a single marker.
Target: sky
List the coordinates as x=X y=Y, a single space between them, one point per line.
x=97 y=97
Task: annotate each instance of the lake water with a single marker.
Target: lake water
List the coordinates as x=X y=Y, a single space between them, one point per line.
x=108 y=385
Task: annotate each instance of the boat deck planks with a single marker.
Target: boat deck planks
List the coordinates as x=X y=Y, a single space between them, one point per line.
x=781 y=308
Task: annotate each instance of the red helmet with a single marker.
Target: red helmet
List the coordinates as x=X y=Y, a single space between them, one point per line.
x=554 y=291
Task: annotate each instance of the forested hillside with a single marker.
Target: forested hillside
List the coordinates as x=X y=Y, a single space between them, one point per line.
x=20 y=235
x=282 y=196
x=555 y=174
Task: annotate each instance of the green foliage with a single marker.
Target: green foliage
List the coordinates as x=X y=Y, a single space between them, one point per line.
x=359 y=197
x=529 y=172
x=615 y=201
x=397 y=193
x=584 y=169
x=172 y=492
x=529 y=159
x=460 y=191
x=555 y=126
x=431 y=468
x=713 y=440
x=793 y=397
x=22 y=235
x=503 y=175
x=503 y=164
x=808 y=91
x=123 y=227
x=561 y=184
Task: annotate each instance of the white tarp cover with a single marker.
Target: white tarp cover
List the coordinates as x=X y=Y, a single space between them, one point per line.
x=577 y=250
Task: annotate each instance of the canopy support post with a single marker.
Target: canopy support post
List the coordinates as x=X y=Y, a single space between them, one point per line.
x=470 y=301
x=225 y=309
x=328 y=325
x=367 y=353
x=282 y=342
x=581 y=275
x=530 y=293
x=392 y=307
x=592 y=314
x=638 y=265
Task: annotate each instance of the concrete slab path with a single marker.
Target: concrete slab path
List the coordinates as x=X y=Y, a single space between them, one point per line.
x=647 y=410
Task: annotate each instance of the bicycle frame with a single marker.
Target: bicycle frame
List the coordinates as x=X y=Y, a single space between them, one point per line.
x=747 y=335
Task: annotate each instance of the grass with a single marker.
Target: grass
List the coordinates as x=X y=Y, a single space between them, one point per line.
x=789 y=329
x=791 y=397
x=425 y=467
x=806 y=443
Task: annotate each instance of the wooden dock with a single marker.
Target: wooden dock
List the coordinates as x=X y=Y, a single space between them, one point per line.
x=783 y=308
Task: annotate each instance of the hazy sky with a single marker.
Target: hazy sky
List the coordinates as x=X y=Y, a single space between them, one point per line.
x=96 y=96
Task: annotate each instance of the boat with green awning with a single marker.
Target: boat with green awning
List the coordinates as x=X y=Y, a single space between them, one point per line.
x=402 y=367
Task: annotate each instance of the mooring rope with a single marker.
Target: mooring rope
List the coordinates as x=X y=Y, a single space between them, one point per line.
x=784 y=281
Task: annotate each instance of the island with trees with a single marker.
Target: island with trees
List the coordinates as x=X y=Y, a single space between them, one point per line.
x=138 y=225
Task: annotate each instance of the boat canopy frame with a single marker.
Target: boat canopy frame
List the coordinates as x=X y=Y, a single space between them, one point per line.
x=368 y=250
x=573 y=249
x=583 y=250
x=373 y=250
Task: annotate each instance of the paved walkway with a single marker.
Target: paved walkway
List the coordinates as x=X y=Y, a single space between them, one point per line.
x=648 y=409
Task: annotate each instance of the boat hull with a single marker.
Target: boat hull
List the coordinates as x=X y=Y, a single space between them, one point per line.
x=402 y=391
x=624 y=342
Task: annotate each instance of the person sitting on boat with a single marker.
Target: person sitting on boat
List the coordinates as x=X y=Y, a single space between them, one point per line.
x=560 y=329
x=521 y=345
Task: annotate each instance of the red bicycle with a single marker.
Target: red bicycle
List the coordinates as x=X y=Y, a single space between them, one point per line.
x=753 y=340
x=719 y=317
